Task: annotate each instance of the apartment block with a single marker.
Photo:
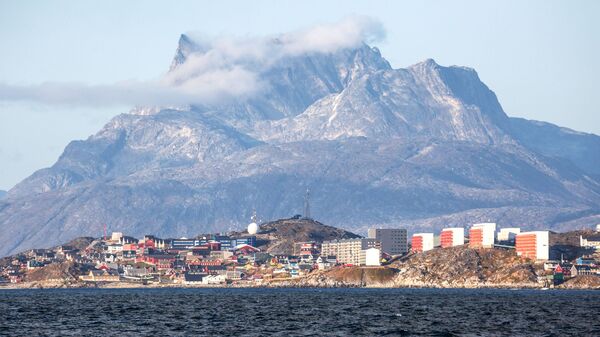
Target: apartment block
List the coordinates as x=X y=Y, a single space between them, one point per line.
x=482 y=235
x=422 y=242
x=349 y=251
x=450 y=237
x=394 y=241
x=533 y=245
x=508 y=234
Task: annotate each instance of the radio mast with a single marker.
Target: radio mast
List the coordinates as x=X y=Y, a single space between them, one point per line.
x=307 y=204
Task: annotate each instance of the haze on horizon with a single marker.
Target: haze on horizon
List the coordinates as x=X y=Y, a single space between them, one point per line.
x=538 y=57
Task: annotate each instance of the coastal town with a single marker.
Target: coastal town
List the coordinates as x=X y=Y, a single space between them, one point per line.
x=255 y=258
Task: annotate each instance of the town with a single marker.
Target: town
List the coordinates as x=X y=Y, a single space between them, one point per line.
x=249 y=258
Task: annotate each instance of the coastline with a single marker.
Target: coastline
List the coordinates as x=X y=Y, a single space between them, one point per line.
x=290 y=284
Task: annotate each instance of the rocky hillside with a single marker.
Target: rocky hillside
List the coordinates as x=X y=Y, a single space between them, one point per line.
x=344 y=277
x=582 y=282
x=465 y=267
x=457 y=267
x=281 y=236
x=59 y=271
x=566 y=245
x=422 y=147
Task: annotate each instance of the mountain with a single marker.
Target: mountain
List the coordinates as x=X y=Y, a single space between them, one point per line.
x=422 y=147
x=582 y=149
x=2 y=194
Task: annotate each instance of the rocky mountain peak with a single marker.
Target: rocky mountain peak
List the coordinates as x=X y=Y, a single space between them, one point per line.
x=422 y=146
x=185 y=47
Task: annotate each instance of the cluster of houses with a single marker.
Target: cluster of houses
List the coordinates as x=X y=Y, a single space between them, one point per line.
x=210 y=259
x=218 y=259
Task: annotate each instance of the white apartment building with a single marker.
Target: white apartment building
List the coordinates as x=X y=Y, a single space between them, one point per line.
x=349 y=251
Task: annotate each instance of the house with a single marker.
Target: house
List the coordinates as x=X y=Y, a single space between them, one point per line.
x=114 y=248
x=214 y=279
x=41 y=255
x=33 y=264
x=307 y=248
x=235 y=275
x=133 y=273
x=101 y=276
x=550 y=265
x=110 y=258
x=160 y=261
x=193 y=278
x=308 y=258
x=15 y=278
x=107 y=266
x=245 y=249
x=577 y=270
x=592 y=241
x=566 y=268
x=323 y=263
x=583 y=261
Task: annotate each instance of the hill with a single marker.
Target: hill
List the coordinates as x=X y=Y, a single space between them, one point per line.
x=456 y=267
x=465 y=267
x=281 y=236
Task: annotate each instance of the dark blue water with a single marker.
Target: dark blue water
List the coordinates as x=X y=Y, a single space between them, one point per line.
x=298 y=312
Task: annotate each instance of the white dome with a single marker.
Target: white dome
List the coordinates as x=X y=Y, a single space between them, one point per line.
x=252 y=228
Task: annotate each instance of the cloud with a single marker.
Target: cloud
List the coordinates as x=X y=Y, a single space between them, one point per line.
x=214 y=69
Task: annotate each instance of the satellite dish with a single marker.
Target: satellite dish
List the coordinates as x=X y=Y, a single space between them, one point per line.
x=252 y=228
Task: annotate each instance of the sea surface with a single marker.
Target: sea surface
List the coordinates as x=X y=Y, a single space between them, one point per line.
x=298 y=312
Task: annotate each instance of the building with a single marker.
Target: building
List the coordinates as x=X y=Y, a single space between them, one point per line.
x=370 y=257
x=101 y=276
x=422 y=242
x=307 y=249
x=482 y=235
x=508 y=234
x=116 y=236
x=394 y=241
x=193 y=277
x=451 y=237
x=348 y=251
x=592 y=241
x=577 y=270
x=585 y=261
x=533 y=245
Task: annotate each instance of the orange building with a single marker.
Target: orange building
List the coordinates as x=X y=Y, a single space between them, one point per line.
x=482 y=235
x=422 y=242
x=533 y=245
x=450 y=237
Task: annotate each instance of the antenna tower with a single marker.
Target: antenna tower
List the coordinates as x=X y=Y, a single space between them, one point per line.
x=307 y=204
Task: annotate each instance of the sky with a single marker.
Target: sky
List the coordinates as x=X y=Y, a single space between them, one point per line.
x=67 y=61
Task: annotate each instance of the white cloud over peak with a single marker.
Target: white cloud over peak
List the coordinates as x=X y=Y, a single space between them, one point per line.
x=214 y=70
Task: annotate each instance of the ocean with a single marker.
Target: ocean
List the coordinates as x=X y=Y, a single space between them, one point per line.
x=298 y=312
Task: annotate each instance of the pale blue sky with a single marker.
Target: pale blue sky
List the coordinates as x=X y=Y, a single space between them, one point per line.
x=540 y=57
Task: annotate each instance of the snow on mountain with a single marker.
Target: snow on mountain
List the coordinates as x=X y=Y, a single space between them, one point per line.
x=423 y=147
x=425 y=100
